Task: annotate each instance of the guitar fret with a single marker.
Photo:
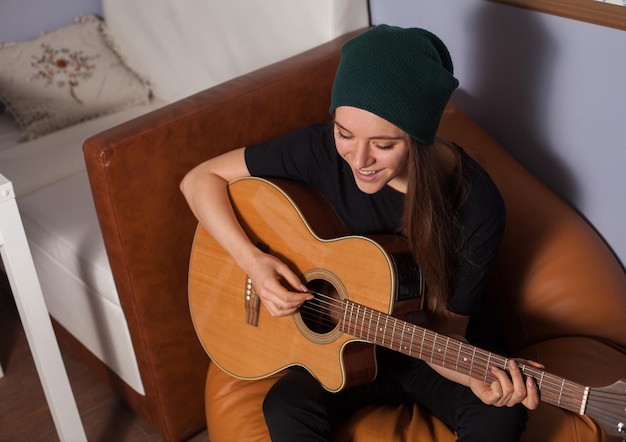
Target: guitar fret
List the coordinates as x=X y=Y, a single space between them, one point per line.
x=487 y=366
x=353 y=316
x=445 y=351
x=432 y=352
x=348 y=310
x=378 y=327
x=422 y=345
x=369 y=327
x=541 y=380
x=402 y=346
x=385 y=330
x=412 y=339
x=345 y=311
x=472 y=362
x=458 y=357
x=393 y=333
x=363 y=322
x=561 y=393
x=350 y=316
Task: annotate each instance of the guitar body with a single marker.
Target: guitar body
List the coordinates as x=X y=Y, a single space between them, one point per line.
x=299 y=227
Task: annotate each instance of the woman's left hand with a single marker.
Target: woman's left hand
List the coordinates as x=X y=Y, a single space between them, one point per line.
x=509 y=388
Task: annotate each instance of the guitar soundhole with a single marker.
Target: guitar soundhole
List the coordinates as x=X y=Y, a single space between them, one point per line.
x=322 y=313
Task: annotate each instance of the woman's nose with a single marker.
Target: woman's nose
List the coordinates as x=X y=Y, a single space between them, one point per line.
x=361 y=155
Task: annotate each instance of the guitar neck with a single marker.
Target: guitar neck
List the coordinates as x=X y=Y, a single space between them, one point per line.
x=404 y=337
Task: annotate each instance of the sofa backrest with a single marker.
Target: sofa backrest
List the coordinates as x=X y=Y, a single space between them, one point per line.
x=186 y=46
x=554 y=275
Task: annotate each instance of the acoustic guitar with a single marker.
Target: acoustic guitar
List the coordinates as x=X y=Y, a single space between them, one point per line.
x=364 y=290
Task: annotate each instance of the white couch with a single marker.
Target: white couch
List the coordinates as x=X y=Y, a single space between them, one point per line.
x=181 y=47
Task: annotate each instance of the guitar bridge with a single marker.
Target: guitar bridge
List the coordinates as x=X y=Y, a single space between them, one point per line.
x=252 y=303
x=251 y=299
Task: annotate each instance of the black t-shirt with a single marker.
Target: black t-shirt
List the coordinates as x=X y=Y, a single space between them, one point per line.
x=309 y=155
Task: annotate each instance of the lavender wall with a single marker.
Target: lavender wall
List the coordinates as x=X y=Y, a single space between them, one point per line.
x=26 y=19
x=550 y=89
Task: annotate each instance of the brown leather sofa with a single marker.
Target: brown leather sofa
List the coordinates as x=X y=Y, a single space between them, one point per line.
x=560 y=291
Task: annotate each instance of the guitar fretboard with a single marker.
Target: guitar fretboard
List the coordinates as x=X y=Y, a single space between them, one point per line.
x=404 y=337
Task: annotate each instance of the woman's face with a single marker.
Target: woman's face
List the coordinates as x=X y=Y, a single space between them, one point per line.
x=376 y=150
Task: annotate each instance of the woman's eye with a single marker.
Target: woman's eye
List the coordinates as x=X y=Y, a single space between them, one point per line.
x=343 y=136
x=385 y=146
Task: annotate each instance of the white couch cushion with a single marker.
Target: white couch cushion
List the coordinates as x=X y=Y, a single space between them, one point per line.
x=206 y=42
x=61 y=219
x=34 y=164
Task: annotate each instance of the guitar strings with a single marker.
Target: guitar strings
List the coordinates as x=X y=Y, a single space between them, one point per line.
x=603 y=405
x=339 y=309
x=556 y=390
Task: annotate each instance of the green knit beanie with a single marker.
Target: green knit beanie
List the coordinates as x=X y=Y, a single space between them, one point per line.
x=403 y=75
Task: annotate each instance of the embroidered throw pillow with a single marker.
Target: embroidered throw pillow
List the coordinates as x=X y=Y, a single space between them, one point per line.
x=65 y=77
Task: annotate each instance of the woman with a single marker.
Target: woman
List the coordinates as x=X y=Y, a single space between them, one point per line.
x=382 y=168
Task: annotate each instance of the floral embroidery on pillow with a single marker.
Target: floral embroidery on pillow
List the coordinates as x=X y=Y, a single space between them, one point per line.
x=63 y=67
x=65 y=77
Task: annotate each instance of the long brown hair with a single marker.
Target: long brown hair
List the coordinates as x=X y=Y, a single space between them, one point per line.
x=430 y=221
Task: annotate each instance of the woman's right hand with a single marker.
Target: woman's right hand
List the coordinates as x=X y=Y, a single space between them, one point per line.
x=278 y=287
x=205 y=189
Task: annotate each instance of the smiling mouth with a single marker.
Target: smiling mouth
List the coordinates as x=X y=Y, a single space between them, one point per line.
x=368 y=172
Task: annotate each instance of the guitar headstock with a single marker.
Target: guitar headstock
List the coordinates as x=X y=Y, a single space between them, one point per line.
x=607 y=405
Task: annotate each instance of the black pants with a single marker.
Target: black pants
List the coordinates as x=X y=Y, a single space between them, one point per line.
x=298 y=408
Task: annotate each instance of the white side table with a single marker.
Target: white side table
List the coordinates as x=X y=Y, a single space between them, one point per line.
x=33 y=312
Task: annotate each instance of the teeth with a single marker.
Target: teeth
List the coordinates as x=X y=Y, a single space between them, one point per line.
x=368 y=172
